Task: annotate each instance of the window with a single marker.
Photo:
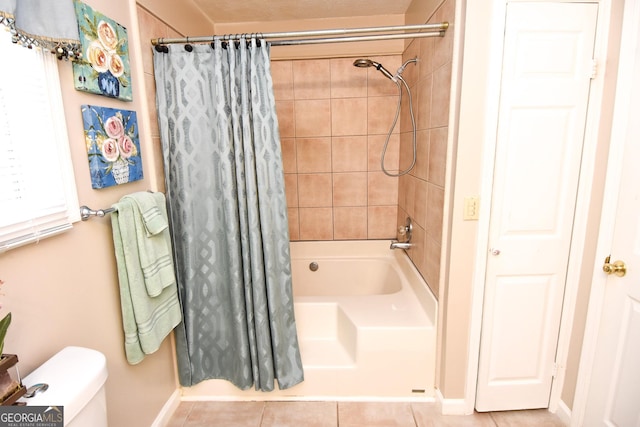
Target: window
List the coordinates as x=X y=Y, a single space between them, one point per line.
x=38 y=197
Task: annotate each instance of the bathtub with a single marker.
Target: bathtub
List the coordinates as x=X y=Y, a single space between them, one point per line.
x=366 y=324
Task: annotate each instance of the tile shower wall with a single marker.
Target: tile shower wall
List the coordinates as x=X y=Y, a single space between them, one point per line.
x=421 y=192
x=334 y=119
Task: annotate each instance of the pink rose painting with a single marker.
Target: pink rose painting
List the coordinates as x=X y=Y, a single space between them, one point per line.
x=104 y=67
x=112 y=140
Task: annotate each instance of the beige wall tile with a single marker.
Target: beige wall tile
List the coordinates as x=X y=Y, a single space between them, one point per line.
x=411 y=71
x=311 y=79
x=382 y=222
x=438 y=155
x=313 y=118
x=350 y=223
x=347 y=81
x=348 y=116
x=402 y=193
x=288 y=147
x=408 y=190
x=291 y=189
x=420 y=201
x=282 y=76
x=424 y=91
x=286 y=119
x=431 y=271
x=405 y=122
x=314 y=190
x=313 y=154
x=440 y=96
x=378 y=84
x=383 y=189
x=381 y=111
x=375 y=152
x=294 y=223
x=435 y=206
x=443 y=48
x=417 y=251
x=316 y=223
x=332 y=133
x=349 y=154
x=350 y=189
x=406 y=150
x=425 y=56
x=421 y=169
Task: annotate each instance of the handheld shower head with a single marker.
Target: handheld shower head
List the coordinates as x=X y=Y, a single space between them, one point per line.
x=363 y=63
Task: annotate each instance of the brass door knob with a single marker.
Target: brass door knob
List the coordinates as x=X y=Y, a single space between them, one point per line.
x=619 y=268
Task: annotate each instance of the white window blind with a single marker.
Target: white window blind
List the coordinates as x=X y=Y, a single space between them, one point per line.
x=37 y=188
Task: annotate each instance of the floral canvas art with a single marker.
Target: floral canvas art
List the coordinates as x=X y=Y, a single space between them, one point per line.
x=104 y=66
x=112 y=140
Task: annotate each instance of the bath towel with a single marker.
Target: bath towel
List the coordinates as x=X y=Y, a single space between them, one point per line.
x=147 y=319
x=153 y=240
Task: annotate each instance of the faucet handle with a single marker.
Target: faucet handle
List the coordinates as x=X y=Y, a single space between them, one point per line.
x=404 y=231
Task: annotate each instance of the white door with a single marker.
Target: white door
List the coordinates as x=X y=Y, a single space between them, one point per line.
x=614 y=390
x=546 y=76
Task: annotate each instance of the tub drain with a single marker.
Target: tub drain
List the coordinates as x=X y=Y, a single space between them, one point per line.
x=313 y=266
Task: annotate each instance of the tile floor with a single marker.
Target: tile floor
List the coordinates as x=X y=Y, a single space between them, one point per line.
x=346 y=414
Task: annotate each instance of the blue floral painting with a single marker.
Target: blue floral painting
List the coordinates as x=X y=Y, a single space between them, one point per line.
x=113 y=146
x=104 y=67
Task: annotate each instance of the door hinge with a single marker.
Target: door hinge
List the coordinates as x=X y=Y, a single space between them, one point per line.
x=594 y=68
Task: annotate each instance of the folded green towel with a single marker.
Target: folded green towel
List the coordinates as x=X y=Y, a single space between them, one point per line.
x=152 y=207
x=153 y=239
x=146 y=319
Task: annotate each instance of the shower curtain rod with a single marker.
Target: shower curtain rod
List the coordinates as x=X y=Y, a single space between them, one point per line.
x=289 y=38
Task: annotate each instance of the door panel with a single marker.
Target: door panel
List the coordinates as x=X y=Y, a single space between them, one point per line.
x=614 y=387
x=546 y=76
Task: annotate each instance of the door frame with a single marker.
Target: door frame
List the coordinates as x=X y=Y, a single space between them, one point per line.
x=584 y=196
x=609 y=207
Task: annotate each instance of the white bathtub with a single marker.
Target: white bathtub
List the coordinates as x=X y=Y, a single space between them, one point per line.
x=366 y=325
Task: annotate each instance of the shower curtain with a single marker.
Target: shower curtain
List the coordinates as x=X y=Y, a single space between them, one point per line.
x=228 y=216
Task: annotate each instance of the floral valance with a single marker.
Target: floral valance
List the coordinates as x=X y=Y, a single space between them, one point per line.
x=50 y=25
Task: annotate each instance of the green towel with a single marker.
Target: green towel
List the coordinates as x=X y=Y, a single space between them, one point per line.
x=146 y=319
x=153 y=240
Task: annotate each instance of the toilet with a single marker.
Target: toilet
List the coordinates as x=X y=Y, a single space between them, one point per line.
x=76 y=377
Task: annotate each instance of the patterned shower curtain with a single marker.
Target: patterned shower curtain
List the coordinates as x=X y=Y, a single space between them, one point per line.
x=227 y=208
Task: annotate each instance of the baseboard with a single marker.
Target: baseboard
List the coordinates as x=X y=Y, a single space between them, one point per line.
x=165 y=414
x=452 y=406
x=564 y=413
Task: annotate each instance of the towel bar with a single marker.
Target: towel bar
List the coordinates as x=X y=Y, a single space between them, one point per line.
x=86 y=212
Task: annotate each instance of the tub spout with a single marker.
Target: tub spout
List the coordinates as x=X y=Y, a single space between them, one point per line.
x=399 y=245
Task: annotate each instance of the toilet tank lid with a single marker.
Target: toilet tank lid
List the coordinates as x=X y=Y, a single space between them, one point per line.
x=74 y=375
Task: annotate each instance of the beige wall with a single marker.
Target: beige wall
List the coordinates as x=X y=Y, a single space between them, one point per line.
x=184 y=17
x=64 y=290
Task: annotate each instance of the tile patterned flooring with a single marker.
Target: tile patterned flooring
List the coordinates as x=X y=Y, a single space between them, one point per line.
x=346 y=414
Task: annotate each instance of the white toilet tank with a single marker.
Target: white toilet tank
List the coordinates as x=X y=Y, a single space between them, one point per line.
x=76 y=378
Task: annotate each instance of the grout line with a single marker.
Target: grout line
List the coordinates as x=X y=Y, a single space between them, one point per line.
x=264 y=406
